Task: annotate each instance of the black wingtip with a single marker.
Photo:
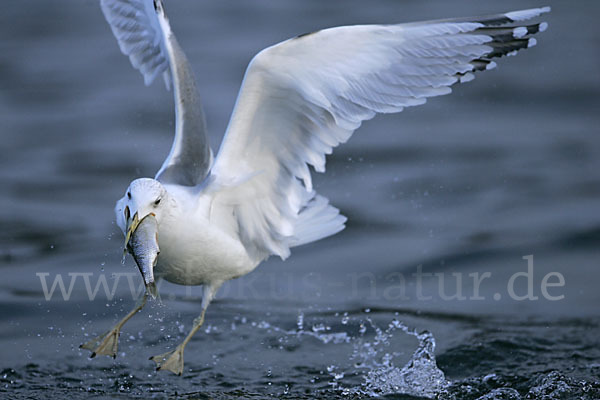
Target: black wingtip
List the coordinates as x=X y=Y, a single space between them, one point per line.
x=159 y=7
x=305 y=34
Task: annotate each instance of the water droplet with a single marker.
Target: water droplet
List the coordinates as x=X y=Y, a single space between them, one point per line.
x=345 y=319
x=362 y=329
x=300 y=321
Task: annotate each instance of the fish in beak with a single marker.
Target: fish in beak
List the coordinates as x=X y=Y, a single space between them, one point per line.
x=141 y=240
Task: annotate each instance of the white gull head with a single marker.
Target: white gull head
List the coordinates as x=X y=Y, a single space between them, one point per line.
x=144 y=196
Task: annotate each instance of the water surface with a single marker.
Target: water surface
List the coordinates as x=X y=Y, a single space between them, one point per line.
x=504 y=168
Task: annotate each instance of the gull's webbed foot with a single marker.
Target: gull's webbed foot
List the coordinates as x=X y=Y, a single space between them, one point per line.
x=104 y=345
x=171 y=361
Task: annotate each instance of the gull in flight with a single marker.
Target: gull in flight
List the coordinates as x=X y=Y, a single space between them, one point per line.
x=204 y=220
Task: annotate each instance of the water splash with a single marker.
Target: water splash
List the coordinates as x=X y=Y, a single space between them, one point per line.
x=316 y=332
x=372 y=360
x=556 y=385
x=419 y=377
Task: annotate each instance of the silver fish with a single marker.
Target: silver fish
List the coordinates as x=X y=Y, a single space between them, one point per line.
x=143 y=246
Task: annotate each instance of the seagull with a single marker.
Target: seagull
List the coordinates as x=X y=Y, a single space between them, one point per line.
x=216 y=218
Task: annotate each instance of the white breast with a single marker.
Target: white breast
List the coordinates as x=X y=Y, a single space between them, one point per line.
x=193 y=251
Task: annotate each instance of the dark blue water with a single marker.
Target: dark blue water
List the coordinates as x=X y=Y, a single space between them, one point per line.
x=417 y=297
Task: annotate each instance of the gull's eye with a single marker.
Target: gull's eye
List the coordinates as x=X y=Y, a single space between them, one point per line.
x=157 y=202
x=129 y=195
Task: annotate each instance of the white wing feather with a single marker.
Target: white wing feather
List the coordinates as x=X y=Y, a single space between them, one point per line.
x=144 y=34
x=140 y=36
x=303 y=97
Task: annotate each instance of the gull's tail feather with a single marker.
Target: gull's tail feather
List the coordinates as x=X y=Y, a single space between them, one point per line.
x=316 y=221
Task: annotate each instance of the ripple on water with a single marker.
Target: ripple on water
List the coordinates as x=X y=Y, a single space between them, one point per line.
x=345 y=355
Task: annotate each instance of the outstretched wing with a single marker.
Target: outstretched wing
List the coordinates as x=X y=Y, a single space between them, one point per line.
x=144 y=34
x=303 y=97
